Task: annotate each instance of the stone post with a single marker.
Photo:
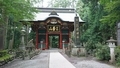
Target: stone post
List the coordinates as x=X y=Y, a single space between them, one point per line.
x=63 y=45
x=111 y=44
x=41 y=44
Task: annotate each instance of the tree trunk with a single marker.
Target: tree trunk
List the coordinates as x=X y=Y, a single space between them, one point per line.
x=5 y=29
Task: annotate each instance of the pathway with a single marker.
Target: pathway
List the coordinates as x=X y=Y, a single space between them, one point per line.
x=58 y=61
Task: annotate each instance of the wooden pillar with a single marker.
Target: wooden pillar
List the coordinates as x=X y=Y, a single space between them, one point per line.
x=37 y=38
x=60 y=40
x=69 y=36
x=46 y=46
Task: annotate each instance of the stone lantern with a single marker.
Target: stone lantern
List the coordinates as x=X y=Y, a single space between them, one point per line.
x=22 y=47
x=111 y=44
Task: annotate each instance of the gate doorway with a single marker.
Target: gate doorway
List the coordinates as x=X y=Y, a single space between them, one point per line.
x=53 y=41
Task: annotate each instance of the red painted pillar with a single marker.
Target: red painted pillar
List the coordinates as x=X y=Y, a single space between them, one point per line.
x=60 y=40
x=37 y=38
x=46 y=47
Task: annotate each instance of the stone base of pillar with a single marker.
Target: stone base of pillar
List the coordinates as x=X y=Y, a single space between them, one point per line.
x=112 y=61
x=78 y=51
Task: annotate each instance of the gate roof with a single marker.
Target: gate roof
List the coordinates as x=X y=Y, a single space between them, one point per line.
x=65 y=14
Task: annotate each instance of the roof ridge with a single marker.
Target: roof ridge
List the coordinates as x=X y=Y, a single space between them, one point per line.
x=58 y=10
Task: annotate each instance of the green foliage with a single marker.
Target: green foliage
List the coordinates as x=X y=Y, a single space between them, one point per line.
x=17 y=38
x=55 y=41
x=90 y=46
x=62 y=3
x=3 y=52
x=18 y=9
x=31 y=35
x=4 y=55
x=93 y=31
x=112 y=9
x=117 y=55
x=102 y=52
x=11 y=12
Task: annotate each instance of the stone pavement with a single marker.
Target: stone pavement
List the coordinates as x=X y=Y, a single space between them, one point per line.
x=53 y=59
x=58 y=61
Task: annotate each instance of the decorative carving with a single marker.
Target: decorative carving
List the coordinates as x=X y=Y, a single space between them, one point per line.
x=48 y=21
x=59 y=21
x=42 y=23
x=53 y=13
x=64 y=23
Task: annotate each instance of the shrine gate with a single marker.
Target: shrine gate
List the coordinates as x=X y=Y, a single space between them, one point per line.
x=57 y=22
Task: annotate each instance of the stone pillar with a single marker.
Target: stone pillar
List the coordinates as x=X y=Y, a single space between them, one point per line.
x=63 y=44
x=112 y=55
x=41 y=42
x=22 y=46
x=112 y=47
x=118 y=34
x=77 y=31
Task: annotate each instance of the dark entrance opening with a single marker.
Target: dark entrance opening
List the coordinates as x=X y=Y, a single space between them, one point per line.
x=54 y=41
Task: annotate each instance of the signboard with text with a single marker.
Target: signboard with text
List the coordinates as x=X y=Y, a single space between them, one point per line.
x=53 y=28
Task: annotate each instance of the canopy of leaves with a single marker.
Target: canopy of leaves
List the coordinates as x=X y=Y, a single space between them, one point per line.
x=62 y=3
x=112 y=9
x=16 y=8
x=11 y=12
x=93 y=31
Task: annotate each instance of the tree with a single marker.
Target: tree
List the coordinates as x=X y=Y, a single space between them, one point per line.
x=112 y=9
x=93 y=31
x=96 y=29
x=63 y=3
x=18 y=10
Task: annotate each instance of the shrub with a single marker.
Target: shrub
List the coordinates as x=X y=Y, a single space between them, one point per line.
x=3 y=52
x=117 y=55
x=102 y=52
x=90 y=47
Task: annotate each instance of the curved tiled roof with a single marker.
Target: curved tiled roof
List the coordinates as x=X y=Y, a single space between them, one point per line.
x=64 y=14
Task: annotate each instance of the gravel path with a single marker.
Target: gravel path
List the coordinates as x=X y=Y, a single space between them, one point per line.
x=92 y=64
x=39 y=61
x=86 y=62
